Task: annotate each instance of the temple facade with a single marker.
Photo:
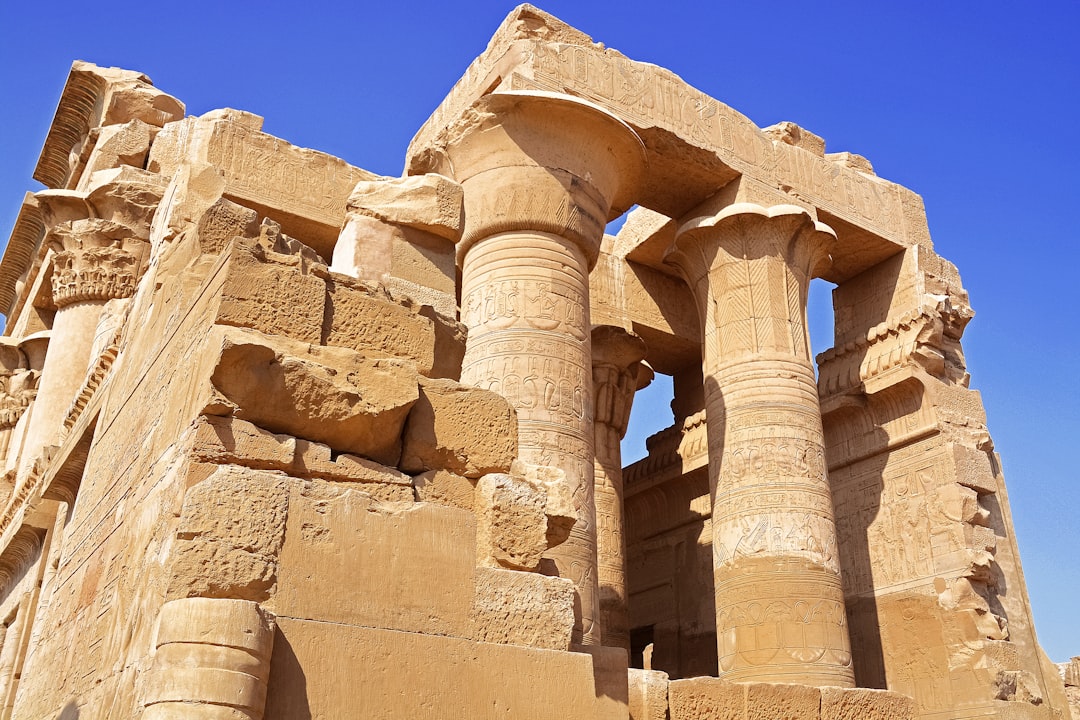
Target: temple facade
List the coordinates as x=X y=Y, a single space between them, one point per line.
x=283 y=439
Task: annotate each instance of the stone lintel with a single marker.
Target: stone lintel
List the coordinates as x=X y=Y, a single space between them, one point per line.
x=21 y=249
x=695 y=144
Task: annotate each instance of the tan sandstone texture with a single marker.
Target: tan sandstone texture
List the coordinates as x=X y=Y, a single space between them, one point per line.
x=282 y=439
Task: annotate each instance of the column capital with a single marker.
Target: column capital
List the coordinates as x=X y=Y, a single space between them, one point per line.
x=540 y=162
x=100 y=236
x=618 y=372
x=749 y=269
x=747 y=231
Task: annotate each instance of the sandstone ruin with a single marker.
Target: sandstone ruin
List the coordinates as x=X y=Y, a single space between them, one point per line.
x=284 y=439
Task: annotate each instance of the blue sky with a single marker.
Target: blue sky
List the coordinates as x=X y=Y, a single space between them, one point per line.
x=969 y=104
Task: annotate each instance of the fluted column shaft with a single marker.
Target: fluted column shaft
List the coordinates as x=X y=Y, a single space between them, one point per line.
x=779 y=601
x=541 y=175
x=617 y=374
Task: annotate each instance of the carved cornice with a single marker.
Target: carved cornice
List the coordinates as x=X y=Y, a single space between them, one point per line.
x=673 y=451
x=94 y=379
x=21 y=250
x=925 y=338
x=95 y=96
x=19 y=556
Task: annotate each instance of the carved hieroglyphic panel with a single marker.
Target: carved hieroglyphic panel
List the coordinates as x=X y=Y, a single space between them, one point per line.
x=892 y=528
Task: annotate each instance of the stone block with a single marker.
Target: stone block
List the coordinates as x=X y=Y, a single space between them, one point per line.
x=363 y=319
x=463 y=429
x=426 y=677
x=558 y=503
x=443 y=487
x=511 y=528
x=304 y=190
x=450 y=336
x=334 y=396
x=317 y=461
x=648 y=698
x=230 y=532
x=230 y=440
x=223 y=221
x=974 y=468
x=125 y=144
x=1071 y=674
x=865 y=704
x=348 y=558
x=432 y=203
x=225 y=440
x=269 y=297
x=708 y=698
x=523 y=608
x=768 y=701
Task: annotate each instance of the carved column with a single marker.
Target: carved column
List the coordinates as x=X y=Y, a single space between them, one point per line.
x=211 y=660
x=96 y=261
x=617 y=374
x=542 y=174
x=779 y=601
x=100 y=241
x=17 y=389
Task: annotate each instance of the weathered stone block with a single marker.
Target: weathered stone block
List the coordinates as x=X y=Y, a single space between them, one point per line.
x=427 y=677
x=231 y=440
x=360 y=319
x=348 y=558
x=463 y=429
x=272 y=298
x=443 y=487
x=522 y=608
x=302 y=189
x=511 y=528
x=706 y=698
x=125 y=144
x=768 y=701
x=335 y=396
x=432 y=203
x=648 y=699
x=229 y=534
x=865 y=704
x=223 y=221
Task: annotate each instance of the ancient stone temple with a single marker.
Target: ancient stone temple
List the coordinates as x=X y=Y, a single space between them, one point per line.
x=283 y=439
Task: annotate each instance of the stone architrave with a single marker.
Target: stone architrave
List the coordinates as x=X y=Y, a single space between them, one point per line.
x=779 y=602
x=617 y=374
x=542 y=174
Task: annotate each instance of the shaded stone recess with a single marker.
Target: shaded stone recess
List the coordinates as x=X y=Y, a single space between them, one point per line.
x=283 y=439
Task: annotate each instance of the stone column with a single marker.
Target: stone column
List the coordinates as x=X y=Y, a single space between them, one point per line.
x=100 y=240
x=97 y=261
x=542 y=174
x=211 y=661
x=617 y=374
x=779 y=603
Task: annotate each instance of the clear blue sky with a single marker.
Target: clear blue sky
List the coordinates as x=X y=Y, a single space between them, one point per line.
x=968 y=103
